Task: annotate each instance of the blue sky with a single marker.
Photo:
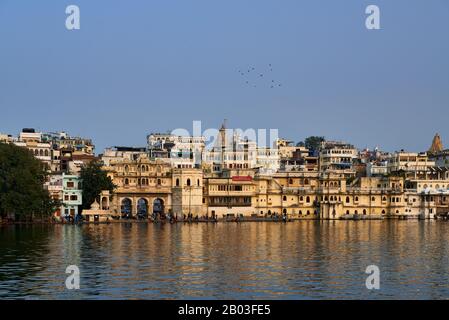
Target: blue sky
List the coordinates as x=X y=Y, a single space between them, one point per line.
x=145 y=66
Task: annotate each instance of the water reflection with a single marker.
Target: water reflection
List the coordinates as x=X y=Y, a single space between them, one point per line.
x=298 y=260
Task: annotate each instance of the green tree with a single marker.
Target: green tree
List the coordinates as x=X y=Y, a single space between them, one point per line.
x=22 y=178
x=94 y=180
x=313 y=142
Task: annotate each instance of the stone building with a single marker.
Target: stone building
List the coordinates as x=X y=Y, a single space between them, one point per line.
x=144 y=186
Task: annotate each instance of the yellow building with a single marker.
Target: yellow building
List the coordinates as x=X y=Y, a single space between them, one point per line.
x=146 y=187
x=143 y=187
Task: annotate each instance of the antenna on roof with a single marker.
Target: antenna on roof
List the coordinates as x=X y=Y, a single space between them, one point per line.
x=225 y=124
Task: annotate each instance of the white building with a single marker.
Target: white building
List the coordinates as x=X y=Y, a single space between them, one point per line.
x=122 y=153
x=32 y=140
x=181 y=151
x=417 y=163
x=335 y=155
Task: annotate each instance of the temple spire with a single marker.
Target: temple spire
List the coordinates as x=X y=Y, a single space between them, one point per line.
x=437 y=145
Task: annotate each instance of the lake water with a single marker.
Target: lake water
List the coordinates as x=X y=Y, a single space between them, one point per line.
x=259 y=260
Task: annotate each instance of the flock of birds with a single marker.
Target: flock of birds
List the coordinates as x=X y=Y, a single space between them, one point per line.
x=253 y=77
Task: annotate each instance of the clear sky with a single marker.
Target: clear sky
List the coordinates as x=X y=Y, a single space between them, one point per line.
x=136 y=67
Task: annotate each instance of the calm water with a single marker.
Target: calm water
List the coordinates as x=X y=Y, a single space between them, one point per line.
x=297 y=260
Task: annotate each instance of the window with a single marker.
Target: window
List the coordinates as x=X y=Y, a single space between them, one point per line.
x=198 y=182
x=284 y=198
x=347 y=199
x=188 y=182
x=159 y=182
x=308 y=199
x=70 y=184
x=177 y=182
x=73 y=198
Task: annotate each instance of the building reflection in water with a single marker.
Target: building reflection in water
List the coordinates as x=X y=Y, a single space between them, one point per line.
x=298 y=260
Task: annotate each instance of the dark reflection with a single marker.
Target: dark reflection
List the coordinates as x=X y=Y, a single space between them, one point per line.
x=298 y=260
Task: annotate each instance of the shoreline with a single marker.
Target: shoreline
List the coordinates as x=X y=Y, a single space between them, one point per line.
x=249 y=220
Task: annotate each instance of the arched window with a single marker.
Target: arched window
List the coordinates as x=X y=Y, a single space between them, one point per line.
x=177 y=182
x=347 y=211
x=356 y=198
x=159 y=182
x=364 y=211
x=300 y=212
x=383 y=211
x=41 y=152
x=284 y=198
x=306 y=181
x=46 y=153
x=188 y=182
x=290 y=181
x=347 y=200
x=126 y=181
x=301 y=198
x=308 y=199
x=198 y=182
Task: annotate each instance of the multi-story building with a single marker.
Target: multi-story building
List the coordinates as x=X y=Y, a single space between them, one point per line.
x=411 y=163
x=32 y=140
x=54 y=186
x=61 y=140
x=231 y=152
x=180 y=151
x=72 y=195
x=232 y=193
x=441 y=158
x=187 y=192
x=122 y=153
x=6 y=138
x=376 y=169
x=144 y=186
x=335 y=155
